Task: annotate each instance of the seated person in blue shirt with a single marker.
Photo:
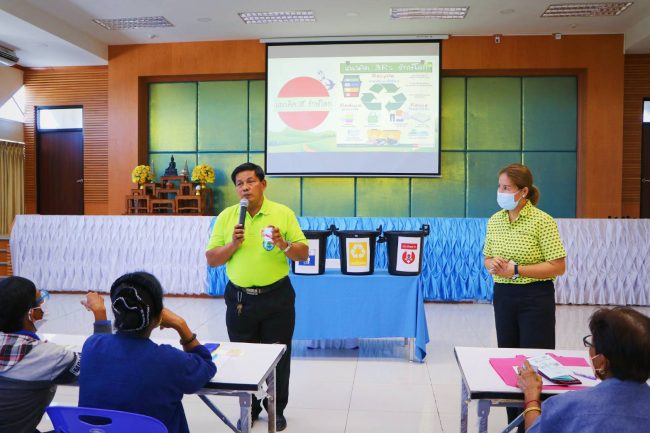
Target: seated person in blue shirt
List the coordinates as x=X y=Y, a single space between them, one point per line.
x=619 y=349
x=30 y=368
x=127 y=371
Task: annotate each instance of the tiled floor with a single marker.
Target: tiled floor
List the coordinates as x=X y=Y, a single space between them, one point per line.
x=371 y=389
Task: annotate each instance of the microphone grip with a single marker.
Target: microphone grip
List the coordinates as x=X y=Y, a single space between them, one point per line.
x=242 y=215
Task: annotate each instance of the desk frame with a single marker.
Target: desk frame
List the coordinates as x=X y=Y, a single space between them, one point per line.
x=244 y=390
x=501 y=395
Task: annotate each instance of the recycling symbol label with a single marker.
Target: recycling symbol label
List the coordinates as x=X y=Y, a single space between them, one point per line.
x=372 y=102
x=358 y=253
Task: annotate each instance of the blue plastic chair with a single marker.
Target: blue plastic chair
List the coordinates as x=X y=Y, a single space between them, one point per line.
x=90 y=420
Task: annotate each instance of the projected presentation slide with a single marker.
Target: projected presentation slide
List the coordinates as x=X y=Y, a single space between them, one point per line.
x=367 y=109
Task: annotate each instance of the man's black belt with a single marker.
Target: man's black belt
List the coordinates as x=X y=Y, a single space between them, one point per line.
x=258 y=290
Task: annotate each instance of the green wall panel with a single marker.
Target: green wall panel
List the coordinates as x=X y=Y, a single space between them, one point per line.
x=442 y=197
x=256 y=114
x=554 y=173
x=550 y=107
x=223 y=115
x=285 y=190
x=452 y=122
x=222 y=188
x=493 y=113
x=481 y=132
x=383 y=197
x=332 y=197
x=172 y=117
x=483 y=179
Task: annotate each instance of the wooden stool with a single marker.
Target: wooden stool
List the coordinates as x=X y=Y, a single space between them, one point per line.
x=138 y=204
x=162 y=206
x=189 y=204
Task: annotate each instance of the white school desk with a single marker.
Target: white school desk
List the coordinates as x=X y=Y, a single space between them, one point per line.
x=480 y=382
x=242 y=370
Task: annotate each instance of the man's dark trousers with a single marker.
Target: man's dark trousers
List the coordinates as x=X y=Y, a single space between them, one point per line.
x=265 y=318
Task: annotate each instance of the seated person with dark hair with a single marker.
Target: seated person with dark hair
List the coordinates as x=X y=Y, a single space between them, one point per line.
x=31 y=368
x=127 y=371
x=619 y=349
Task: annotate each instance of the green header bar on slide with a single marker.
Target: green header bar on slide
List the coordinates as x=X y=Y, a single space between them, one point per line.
x=391 y=67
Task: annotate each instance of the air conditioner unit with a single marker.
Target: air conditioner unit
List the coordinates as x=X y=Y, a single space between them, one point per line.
x=7 y=57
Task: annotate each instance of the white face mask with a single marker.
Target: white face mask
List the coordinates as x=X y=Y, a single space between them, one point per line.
x=598 y=372
x=506 y=200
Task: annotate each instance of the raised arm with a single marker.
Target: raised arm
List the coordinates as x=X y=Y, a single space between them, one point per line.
x=217 y=256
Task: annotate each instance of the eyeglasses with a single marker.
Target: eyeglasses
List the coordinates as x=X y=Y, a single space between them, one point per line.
x=588 y=341
x=44 y=296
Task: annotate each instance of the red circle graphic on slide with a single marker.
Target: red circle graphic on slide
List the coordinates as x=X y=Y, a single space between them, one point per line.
x=303 y=87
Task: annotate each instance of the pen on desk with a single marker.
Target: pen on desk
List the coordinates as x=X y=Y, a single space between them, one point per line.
x=586 y=376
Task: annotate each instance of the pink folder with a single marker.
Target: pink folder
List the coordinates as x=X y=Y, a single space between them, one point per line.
x=505 y=369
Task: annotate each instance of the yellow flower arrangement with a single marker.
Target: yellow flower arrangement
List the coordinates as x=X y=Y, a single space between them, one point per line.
x=142 y=174
x=203 y=173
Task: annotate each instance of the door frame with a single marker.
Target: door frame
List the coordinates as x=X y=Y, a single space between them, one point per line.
x=645 y=154
x=38 y=132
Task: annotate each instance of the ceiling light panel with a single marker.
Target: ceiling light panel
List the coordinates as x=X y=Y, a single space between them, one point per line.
x=277 y=17
x=586 y=9
x=133 y=23
x=452 y=13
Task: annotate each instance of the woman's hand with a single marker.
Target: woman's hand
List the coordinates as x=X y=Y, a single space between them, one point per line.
x=529 y=382
x=94 y=302
x=497 y=265
x=506 y=270
x=169 y=319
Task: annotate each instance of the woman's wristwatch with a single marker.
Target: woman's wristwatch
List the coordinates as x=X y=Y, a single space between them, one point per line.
x=515 y=275
x=288 y=247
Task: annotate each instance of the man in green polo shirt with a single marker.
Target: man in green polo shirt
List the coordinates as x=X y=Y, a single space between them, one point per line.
x=259 y=296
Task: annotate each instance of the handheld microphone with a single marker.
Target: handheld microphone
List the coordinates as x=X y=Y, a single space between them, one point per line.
x=243 y=208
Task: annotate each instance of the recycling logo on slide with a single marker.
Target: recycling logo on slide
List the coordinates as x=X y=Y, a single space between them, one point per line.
x=303 y=103
x=371 y=101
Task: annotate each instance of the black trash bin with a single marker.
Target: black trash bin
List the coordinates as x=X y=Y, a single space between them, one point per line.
x=405 y=250
x=357 y=250
x=315 y=264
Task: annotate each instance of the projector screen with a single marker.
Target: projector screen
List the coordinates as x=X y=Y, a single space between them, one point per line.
x=353 y=109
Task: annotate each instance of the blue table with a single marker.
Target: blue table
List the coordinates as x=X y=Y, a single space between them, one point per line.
x=337 y=306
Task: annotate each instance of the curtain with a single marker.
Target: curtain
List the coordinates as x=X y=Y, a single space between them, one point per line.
x=12 y=183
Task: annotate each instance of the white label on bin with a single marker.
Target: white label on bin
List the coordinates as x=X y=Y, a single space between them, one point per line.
x=408 y=254
x=358 y=254
x=310 y=266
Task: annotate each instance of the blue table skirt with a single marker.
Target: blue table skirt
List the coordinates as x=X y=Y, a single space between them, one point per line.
x=337 y=306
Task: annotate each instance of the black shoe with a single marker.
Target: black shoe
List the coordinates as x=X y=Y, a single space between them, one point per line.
x=254 y=417
x=280 y=422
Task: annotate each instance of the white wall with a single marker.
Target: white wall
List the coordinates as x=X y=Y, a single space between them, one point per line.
x=11 y=79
